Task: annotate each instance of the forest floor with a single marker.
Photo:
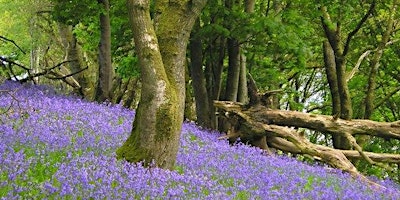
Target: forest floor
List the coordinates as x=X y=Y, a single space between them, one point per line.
x=60 y=147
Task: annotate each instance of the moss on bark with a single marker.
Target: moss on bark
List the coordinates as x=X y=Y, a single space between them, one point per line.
x=156 y=130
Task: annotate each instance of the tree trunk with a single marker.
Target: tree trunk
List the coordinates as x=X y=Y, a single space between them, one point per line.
x=242 y=87
x=369 y=99
x=333 y=34
x=199 y=85
x=330 y=69
x=213 y=72
x=232 y=80
x=74 y=54
x=161 y=51
x=190 y=108
x=106 y=71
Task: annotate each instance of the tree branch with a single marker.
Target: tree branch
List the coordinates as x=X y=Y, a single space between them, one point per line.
x=251 y=123
x=358 y=27
x=12 y=41
x=14 y=63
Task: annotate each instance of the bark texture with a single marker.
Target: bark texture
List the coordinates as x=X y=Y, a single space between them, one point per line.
x=276 y=125
x=106 y=71
x=199 y=84
x=340 y=49
x=161 y=49
x=74 y=54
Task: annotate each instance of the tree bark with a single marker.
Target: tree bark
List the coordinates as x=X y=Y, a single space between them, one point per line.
x=106 y=71
x=340 y=50
x=232 y=80
x=331 y=74
x=374 y=65
x=74 y=54
x=161 y=51
x=330 y=70
x=276 y=125
x=214 y=68
x=242 y=86
x=199 y=84
x=322 y=123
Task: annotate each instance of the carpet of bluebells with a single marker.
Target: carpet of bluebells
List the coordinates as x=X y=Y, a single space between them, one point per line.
x=60 y=147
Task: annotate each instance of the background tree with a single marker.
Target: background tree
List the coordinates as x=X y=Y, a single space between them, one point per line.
x=72 y=13
x=106 y=70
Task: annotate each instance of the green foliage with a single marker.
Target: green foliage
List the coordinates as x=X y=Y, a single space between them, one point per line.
x=75 y=11
x=15 y=23
x=128 y=67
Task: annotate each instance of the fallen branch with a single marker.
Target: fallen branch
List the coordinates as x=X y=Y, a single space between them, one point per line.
x=326 y=123
x=280 y=128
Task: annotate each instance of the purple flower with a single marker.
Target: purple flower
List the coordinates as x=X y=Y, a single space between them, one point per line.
x=54 y=146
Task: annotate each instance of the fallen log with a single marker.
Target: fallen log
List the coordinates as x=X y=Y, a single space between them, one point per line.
x=280 y=128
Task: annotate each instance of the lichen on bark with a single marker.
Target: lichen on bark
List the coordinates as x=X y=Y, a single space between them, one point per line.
x=161 y=47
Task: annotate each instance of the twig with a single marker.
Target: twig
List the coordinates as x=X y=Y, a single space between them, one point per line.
x=12 y=41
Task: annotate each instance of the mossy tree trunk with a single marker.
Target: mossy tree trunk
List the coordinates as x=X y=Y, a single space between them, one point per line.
x=161 y=47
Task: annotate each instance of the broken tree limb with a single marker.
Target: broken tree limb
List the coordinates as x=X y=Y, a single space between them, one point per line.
x=286 y=146
x=280 y=128
x=325 y=123
x=334 y=158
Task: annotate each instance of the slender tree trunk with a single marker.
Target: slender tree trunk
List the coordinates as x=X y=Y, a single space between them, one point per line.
x=346 y=110
x=161 y=51
x=213 y=71
x=333 y=34
x=74 y=54
x=232 y=80
x=35 y=49
x=330 y=70
x=242 y=87
x=106 y=71
x=370 y=96
x=198 y=78
x=374 y=66
x=190 y=108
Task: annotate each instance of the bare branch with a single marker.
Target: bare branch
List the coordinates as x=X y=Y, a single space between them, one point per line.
x=12 y=41
x=71 y=74
x=14 y=63
x=357 y=66
x=358 y=27
x=362 y=57
x=252 y=123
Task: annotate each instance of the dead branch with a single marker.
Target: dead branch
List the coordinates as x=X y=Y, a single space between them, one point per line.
x=13 y=63
x=12 y=41
x=285 y=138
x=49 y=73
x=358 y=27
x=326 y=123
